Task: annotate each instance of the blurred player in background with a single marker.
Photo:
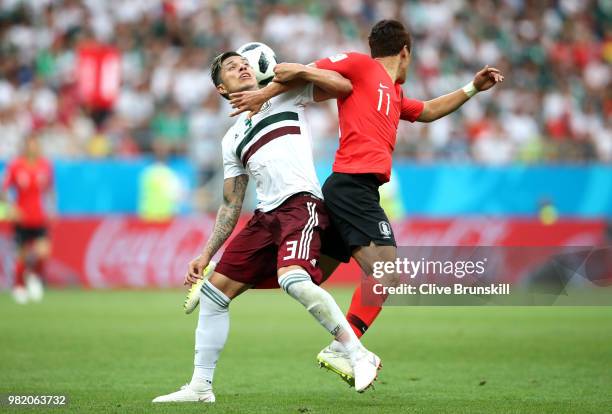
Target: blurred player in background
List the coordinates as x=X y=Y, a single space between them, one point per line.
x=30 y=178
x=281 y=242
x=369 y=119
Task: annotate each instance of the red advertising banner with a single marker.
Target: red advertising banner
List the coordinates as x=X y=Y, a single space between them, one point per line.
x=115 y=252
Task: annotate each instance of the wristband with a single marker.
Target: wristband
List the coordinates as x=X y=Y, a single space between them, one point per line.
x=470 y=90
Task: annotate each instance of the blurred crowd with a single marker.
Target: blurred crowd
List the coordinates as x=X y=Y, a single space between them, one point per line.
x=555 y=104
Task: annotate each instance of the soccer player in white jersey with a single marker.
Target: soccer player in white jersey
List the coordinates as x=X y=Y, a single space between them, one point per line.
x=281 y=242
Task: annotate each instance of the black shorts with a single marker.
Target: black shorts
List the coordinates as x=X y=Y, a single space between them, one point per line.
x=353 y=204
x=25 y=235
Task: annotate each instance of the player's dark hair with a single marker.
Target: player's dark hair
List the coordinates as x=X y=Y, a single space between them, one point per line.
x=388 y=38
x=215 y=67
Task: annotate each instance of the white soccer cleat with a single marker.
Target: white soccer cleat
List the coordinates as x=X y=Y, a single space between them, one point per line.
x=20 y=295
x=365 y=368
x=35 y=288
x=193 y=296
x=187 y=394
x=337 y=362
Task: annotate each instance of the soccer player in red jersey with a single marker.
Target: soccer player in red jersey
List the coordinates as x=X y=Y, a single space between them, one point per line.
x=31 y=178
x=368 y=119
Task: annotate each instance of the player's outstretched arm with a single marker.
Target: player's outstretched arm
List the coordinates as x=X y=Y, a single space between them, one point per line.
x=446 y=104
x=328 y=84
x=234 y=189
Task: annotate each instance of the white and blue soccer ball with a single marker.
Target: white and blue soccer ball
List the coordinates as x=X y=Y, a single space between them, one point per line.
x=262 y=59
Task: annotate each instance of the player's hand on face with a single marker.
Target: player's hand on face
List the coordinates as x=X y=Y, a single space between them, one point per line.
x=487 y=77
x=285 y=72
x=195 y=270
x=251 y=101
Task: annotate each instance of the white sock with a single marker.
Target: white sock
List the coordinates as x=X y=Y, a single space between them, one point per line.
x=337 y=346
x=210 y=336
x=322 y=306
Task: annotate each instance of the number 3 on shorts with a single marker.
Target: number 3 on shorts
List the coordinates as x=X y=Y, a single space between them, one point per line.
x=291 y=248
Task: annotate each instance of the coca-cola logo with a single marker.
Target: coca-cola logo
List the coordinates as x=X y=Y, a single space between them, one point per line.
x=126 y=252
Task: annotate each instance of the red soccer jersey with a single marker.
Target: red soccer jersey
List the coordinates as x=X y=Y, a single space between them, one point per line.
x=369 y=116
x=30 y=181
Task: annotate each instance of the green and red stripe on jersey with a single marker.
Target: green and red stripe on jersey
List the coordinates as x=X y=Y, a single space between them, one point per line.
x=268 y=136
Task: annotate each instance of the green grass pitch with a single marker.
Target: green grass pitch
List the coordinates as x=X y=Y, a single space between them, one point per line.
x=115 y=351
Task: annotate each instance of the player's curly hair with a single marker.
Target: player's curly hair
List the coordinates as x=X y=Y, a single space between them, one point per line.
x=388 y=38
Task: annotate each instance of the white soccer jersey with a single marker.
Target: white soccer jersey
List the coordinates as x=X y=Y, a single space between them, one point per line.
x=275 y=149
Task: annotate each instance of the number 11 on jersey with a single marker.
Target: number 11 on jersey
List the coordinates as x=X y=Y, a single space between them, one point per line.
x=380 y=100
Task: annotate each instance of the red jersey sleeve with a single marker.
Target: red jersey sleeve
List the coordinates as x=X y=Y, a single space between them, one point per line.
x=346 y=64
x=411 y=109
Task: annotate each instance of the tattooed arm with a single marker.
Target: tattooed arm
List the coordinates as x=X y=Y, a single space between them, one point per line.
x=234 y=190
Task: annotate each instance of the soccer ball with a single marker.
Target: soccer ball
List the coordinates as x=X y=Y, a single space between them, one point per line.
x=261 y=58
